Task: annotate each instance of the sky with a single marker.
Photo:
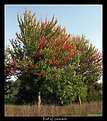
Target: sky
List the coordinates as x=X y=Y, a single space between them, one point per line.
x=77 y=19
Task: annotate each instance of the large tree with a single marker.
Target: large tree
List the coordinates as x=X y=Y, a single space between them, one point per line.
x=39 y=46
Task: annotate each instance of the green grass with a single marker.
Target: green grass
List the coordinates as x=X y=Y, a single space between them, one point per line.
x=85 y=109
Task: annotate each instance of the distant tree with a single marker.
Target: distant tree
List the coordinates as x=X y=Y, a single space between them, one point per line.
x=89 y=63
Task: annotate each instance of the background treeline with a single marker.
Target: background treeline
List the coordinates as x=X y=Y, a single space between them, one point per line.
x=14 y=94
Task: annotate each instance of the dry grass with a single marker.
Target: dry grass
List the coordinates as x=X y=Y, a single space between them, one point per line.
x=86 y=109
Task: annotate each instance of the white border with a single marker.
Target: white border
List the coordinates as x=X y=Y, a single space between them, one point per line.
x=54 y=5
x=5 y=27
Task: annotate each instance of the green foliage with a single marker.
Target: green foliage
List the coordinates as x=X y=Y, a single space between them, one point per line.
x=65 y=85
x=95 y=92
x=11 y=91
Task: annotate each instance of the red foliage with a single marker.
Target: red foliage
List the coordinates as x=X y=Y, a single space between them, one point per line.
x=42 y=45
x=42 y=42
x=67 y=46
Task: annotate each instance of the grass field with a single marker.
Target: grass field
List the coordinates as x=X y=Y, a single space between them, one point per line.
x=85 y=109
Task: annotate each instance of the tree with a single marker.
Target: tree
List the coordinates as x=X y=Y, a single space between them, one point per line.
x=89 y=61
x=39 y=46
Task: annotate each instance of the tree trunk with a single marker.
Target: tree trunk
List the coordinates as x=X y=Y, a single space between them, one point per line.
x=79 y=99
x=39 y=100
